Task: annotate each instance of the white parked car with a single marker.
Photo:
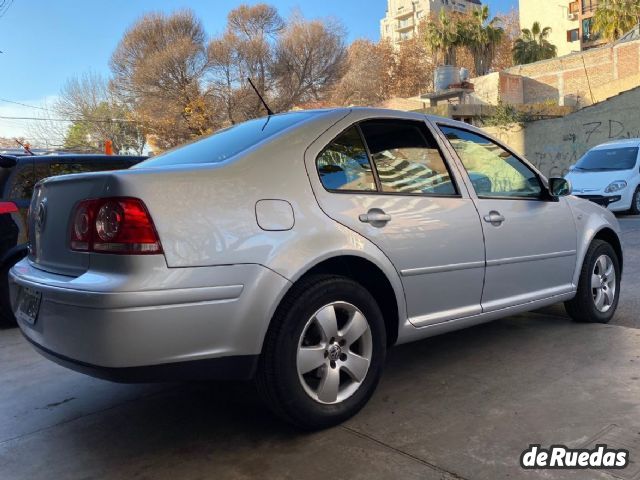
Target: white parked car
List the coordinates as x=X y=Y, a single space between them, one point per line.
x=609 y=175
x=296 y=249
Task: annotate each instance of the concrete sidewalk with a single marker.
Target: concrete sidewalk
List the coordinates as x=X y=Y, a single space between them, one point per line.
x=463 y=405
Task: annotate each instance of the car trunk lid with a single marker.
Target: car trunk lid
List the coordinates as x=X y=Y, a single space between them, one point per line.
x=52 y=205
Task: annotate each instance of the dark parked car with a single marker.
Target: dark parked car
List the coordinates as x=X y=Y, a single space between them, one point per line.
x=18 y=175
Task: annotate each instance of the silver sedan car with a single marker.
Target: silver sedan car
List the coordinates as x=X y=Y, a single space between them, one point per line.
x=296 y=249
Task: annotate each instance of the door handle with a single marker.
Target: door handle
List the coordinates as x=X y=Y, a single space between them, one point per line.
x=494 y=218
x=376 y=217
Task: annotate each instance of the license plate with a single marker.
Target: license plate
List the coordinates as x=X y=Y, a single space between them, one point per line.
x=28 y=305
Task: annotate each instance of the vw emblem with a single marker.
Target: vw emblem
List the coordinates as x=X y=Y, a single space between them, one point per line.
x=41 y=214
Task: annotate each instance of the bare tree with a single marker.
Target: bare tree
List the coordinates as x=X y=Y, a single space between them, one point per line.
x=368 y=79
x=95 y=113
x=310 y=59
x=158 y=68
x=413 y=69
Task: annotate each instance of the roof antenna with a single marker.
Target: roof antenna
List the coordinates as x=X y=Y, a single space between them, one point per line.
x=269 y=111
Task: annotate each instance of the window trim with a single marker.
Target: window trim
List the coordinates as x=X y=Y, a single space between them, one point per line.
x=374 y=170
x=544 y=191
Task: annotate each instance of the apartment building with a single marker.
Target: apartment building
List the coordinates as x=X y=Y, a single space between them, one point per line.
x=570 y=22
x=403 y=16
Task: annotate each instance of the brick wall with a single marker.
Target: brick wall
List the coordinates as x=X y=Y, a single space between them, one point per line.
x=582 y=78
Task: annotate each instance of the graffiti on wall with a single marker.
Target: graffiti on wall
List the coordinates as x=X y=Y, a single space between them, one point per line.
x=555 y=159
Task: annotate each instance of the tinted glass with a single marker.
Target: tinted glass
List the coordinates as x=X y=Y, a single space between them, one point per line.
x=22 y=181
x=64 y=168
x=609 y=159
x=493 y=171
x=228 y=142
x=407 y=158
x=344 y=165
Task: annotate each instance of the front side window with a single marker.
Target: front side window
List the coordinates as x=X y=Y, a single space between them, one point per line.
x=407 y=158
x=344 y=164
x=493 y=171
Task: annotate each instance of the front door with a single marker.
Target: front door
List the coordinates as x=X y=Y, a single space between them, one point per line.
x=530 y=238
x=387 y=180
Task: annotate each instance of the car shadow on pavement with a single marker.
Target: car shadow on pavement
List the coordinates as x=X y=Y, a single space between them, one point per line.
x=194 y=429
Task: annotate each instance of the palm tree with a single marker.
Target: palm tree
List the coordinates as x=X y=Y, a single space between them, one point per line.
x=481 y=36
x=443 y=36
x=533 y=45
x=614 y=18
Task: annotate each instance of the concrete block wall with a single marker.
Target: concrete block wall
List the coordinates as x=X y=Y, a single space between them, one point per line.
x=554 y=145
x=582 y=78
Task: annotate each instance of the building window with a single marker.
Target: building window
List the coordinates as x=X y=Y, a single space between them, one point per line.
x=419 y=14
x=573 y=35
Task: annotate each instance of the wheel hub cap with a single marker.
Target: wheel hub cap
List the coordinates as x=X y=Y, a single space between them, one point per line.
x=334 y=351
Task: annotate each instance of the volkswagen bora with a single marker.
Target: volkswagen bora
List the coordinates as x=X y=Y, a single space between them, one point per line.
x=297 y=249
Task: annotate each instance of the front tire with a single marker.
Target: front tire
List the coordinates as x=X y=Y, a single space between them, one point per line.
x=635 y=203
x=324 y=352
x=598 y=287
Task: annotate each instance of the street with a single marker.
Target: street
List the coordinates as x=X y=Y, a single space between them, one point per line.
x=462 y=405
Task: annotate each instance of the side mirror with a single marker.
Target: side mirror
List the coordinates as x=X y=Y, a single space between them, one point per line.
x=559 y=187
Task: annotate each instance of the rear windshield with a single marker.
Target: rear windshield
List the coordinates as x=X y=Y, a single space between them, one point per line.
x=609 y=159
x=226 y=143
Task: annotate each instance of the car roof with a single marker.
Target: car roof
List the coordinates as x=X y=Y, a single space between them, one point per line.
x=623 y=142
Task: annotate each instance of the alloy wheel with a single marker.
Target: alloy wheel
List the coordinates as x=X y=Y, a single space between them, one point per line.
x=334 y=352
x=603 y=283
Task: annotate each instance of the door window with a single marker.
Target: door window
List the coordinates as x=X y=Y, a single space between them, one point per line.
x=407 y=158
x=344 y=164
x=493 y=171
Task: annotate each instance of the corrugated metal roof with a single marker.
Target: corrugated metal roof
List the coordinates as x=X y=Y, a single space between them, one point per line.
x=630 y=36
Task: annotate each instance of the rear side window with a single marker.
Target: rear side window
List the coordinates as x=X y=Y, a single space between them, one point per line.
x=407 y=158
x=344 y=164
x=227 y=143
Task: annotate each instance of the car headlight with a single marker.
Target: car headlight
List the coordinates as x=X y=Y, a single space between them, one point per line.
x=615 y=186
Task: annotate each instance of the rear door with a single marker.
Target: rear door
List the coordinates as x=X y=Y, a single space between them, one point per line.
x=388 y=180
x=530 y=238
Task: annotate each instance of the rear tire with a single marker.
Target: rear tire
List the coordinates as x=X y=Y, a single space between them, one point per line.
x=323 y=354
x=635 y=203
x=598 y=287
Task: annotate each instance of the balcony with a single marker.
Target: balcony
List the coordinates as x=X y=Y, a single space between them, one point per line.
x=403 y=12
x=406 y=24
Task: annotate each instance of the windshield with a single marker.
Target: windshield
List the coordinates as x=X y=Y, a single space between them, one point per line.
x=609 y=159
x=226 y=143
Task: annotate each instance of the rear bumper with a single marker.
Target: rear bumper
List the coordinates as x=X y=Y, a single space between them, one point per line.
x=224 y=368
x=169 y=324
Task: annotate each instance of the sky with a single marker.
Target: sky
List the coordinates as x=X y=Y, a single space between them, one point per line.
x=44 y=42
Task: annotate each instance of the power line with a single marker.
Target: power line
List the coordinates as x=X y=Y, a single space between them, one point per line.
x=23 y=104
x=88 y=120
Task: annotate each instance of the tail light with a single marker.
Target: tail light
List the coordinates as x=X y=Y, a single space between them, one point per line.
x=119 y=225
x=8 y=207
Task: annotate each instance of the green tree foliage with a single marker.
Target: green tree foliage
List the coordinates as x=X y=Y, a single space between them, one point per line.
x=444 y=35
x=482 y=36
x=533 y=45
x=614 y=18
